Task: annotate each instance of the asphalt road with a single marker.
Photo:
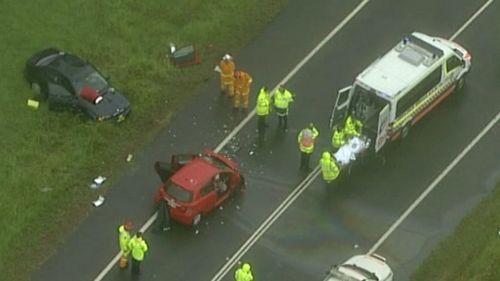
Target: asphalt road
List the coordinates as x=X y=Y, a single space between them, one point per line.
x=323 y=225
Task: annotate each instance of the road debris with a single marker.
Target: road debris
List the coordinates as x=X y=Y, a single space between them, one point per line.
x=99 y=201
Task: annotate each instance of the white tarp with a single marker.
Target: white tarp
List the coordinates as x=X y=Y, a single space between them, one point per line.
x=348 y=151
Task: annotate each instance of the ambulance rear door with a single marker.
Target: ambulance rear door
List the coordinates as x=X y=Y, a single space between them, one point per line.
x=383 y=125
x=339 y=111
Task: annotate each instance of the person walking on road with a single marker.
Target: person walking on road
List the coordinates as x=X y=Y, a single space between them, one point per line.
x=243 y=273
x=263 y=108
x=306 y=139
x=329 y=168
x=138 y=248
x=282 y=99
x=123 y=240
x=226 y=68
x=242 y=82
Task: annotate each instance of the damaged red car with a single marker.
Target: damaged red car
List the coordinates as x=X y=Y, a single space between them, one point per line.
x=195 y=184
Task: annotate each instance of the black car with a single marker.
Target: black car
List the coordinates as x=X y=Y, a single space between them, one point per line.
x=68 y=82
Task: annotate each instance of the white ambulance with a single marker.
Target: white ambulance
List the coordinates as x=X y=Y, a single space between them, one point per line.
x=399 y=88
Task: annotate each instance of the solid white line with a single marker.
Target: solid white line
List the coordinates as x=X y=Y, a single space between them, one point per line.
x=471 y=19
x=267 y=224
x=295 y=70
x=435 y=183
x=453 y=163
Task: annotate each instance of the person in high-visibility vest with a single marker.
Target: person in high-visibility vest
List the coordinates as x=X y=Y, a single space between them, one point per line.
x=242 y=84
x=138 y=247
x=352 y=127
x=306 y=139
x=226 y=67
x=329 y=168
x=282 y=99
x=243 y=273
x=262 y=108
x=338 y=137
x=123 y=239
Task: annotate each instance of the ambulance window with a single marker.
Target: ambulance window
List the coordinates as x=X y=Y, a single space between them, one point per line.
x=452 y=63
x=418 y=91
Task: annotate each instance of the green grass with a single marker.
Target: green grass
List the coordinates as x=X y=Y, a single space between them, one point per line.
x=472 y=252
x=47 y=159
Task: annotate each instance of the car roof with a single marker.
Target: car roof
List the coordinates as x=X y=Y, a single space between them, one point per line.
x=70 y=65
x=404 y=65
x=195 y=174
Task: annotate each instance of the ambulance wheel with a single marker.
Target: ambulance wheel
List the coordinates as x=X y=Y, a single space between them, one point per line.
x=405 y=131
x=197 y=219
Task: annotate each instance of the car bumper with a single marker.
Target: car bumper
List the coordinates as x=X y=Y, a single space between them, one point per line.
x=181 y=217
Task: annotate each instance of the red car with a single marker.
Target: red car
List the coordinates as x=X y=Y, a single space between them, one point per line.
x=194 y=184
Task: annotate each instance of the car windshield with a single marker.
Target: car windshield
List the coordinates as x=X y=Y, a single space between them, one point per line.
x=215 y=161
x=178 y=193
x=90 y=79
x=369 y=275
x=336 y=275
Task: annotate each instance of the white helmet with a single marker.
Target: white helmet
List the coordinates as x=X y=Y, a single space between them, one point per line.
x=227 y=57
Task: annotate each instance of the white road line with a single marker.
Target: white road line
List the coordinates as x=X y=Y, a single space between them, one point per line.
x=296 y=69
x=434 y=184
x=150 y=221
x=453 y=163
x=474 y=16
x=267 y=224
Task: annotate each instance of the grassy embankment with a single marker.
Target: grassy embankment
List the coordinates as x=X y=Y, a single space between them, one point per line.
x=472 y=252
x=47 y=159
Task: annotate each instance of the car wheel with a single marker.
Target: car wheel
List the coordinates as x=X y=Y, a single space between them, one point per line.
x=197 y=219
x=37 y=91
x=405 y=131
x=460 y=84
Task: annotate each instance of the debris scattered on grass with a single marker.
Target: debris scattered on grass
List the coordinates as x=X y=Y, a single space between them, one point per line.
x=33 y=104
x=99 y=201
x=45 y=189
x=129 y=157
x=356 y=246
x=196 y=231
x=99 y=180
x=221 y=208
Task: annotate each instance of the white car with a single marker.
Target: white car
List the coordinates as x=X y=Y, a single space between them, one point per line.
x=361 y=268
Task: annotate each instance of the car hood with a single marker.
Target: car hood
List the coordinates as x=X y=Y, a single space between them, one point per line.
x=112 y=104
x=371 y=264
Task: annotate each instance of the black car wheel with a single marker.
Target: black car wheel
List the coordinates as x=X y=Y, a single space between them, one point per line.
x=38 y=91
